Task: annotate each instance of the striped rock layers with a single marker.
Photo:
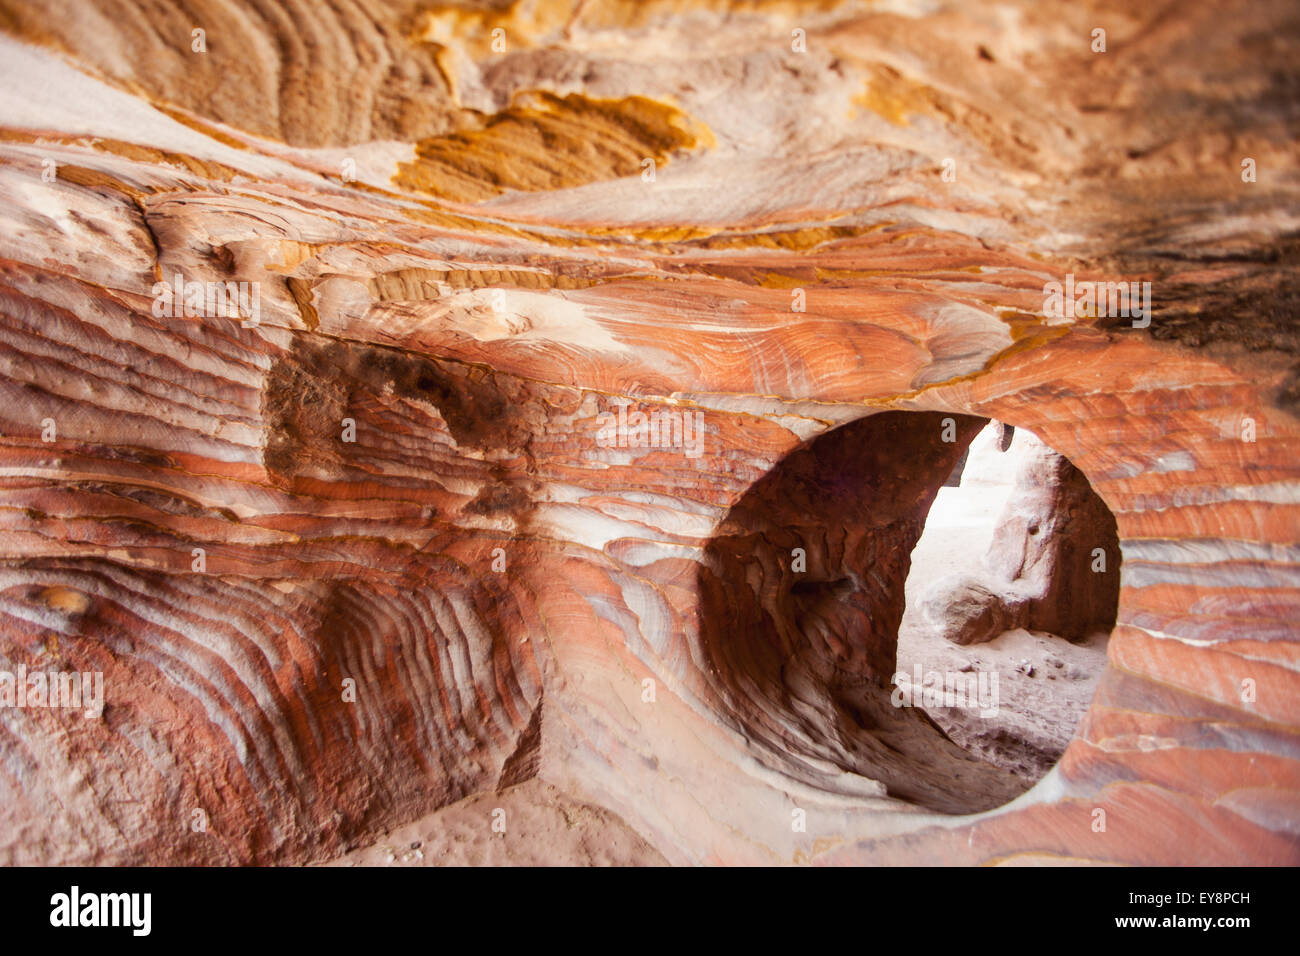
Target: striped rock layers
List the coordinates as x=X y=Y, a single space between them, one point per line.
x=548 y=332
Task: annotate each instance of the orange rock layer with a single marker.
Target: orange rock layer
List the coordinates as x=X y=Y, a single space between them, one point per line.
x=370 y=554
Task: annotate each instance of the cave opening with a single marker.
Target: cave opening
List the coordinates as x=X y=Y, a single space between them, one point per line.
x=887 y=551
x=1012 y=594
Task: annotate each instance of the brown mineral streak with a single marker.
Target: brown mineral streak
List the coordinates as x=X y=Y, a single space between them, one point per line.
x=549 y=142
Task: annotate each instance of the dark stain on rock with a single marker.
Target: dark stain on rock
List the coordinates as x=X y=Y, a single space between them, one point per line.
x=312 y=389
x=482 y=409
x=304 y=403
x=507 y=497
x=1255 y=309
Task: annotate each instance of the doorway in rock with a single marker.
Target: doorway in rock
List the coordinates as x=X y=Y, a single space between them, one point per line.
x=804 y=586
x=1012 y=590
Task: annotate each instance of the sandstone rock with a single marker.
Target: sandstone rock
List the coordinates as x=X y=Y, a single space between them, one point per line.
x=1056 y=547
x=365 y=556
x=968 y=612
x=1053 y=563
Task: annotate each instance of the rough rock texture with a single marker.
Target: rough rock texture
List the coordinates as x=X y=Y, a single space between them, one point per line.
x=462 y=254
x=969 y=611
x=1052 y=564
x=1056 y=544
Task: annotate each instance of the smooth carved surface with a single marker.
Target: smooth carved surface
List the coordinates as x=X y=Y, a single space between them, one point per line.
x=456 y=250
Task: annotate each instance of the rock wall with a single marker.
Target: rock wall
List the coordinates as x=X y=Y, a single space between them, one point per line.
x=1052 y=564
x=366 y=548
x=1056 y=544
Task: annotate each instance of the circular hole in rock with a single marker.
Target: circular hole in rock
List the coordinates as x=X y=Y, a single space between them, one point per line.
x=877 y=607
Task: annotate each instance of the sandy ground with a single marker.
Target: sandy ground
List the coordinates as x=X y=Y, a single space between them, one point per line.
x=1044 y=682
x=543 y=827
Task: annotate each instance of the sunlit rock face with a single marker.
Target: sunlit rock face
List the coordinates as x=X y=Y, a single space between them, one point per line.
x=1051 y=563
x=1055 y=545
x=549 y=329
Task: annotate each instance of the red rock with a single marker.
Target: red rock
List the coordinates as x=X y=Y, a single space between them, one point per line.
x=292 y=159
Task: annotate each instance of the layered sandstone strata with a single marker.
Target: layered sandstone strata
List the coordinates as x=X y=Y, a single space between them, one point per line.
x=366 y=555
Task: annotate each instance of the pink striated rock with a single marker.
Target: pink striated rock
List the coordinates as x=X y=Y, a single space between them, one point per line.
x=368 y=559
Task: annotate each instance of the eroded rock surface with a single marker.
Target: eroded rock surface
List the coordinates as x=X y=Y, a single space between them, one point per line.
x=367 y=557
x=1056 y=545
x=1052 y=564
